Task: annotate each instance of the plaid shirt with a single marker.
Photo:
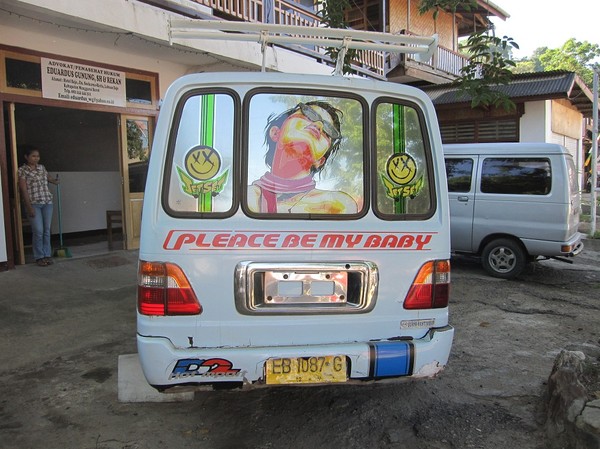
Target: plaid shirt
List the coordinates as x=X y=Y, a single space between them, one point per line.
x=37 y=183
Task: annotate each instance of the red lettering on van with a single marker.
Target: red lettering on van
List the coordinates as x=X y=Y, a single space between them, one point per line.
x=216 y=239
x=271 y=240
x=422 y=240
x=309 y=240
x=181 y=240
x=332 y=241
x=291 y=241
x=373 y=241
x=353 y=239
x=253 y=241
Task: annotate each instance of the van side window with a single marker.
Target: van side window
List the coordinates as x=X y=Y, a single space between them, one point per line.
x=459 y=173
x=517 y=176
x=402 y=175
x=200 y=179
x=305 y=156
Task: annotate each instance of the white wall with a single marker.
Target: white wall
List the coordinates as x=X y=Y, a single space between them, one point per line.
x=134 y=35
x=533 y=122
x=84 y=198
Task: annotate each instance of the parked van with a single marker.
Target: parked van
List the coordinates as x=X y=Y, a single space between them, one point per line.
x=511 y=203
x=295 y=231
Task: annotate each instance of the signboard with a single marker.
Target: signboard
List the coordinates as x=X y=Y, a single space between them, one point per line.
x=72 y=81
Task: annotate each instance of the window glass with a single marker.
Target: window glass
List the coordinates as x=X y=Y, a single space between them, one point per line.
x=200 y=177
x=138 y=91
x=138 y=153
x=572 y=174
x=23 y=74
x=402 y=177
x=459 y=173
x=517 y=176
x=305 y=155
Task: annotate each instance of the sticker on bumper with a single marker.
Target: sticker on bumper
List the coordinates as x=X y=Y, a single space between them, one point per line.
x=391 y=359
x=210 y=368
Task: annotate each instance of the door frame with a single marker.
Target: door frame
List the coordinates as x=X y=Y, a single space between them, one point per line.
x=132 y=201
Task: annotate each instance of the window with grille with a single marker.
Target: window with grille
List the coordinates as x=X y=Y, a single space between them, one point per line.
x=481 y=131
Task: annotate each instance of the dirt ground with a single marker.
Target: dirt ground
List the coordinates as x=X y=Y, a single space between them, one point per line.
x=62 y=330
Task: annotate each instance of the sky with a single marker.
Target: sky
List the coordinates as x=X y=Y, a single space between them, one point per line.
x=543 y=23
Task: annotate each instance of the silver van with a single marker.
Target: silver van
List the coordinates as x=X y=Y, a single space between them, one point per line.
x=511 y=203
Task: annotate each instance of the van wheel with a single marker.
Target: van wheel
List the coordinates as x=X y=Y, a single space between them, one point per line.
x=503 y=258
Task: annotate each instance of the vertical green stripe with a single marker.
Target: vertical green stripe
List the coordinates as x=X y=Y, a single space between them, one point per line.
x=207 y=126
x=399 y=147
x=208 y=120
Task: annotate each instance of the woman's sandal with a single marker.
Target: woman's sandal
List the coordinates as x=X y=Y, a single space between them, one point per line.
x=41 y=263
x=48 y=261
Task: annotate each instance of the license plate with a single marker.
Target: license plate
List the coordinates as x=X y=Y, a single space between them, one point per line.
x=306 y=370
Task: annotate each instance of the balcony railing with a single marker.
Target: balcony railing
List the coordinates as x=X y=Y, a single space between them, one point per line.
x=291 y=13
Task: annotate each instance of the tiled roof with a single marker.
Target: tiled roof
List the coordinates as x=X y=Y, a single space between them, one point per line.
x=526 y=87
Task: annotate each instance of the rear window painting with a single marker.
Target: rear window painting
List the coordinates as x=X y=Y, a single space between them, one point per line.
x=402 y=173
x=305 y=155
x=200 y=179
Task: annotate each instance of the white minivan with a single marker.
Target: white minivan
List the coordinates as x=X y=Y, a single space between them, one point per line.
x=295 y=230
x=511 y=203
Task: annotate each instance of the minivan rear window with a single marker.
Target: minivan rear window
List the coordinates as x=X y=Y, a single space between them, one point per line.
x=305 y=155
x=200 y=181
x=516 y=176
x=402 y=163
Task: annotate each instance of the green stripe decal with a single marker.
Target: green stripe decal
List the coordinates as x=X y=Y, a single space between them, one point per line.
x=207 y=126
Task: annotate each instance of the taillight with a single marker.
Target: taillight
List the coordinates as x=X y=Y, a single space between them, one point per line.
x=431 y=287
x=163 y=289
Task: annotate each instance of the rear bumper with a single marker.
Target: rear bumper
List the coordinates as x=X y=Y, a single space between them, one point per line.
x=165 y=366
x=554 y=248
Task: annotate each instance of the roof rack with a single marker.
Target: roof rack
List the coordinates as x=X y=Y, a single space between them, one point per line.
x=268 y=33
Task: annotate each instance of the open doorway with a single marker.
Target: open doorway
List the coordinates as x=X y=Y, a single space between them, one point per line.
x=82 y=148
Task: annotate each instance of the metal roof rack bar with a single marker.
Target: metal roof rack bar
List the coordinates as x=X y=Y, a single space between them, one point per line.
x=266 y=33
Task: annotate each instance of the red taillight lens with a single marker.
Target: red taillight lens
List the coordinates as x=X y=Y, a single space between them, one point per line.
x=163 y=289
x=431 y=287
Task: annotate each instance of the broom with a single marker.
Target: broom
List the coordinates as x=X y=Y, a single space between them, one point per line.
x=62 y=251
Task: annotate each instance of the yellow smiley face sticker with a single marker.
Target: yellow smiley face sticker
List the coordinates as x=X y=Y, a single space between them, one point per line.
x=202 y=162
x=401 y=168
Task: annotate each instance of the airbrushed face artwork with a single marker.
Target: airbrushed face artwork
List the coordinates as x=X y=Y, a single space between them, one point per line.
x=300 y=141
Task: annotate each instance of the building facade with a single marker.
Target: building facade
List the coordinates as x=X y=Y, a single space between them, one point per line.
x=82 y=81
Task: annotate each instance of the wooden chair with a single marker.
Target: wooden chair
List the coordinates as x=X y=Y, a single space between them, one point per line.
x=113 y=217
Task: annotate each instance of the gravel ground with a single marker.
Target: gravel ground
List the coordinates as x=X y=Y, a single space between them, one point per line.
x=61 y=332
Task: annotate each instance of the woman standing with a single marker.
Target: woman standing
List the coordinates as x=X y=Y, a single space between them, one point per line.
x=33 y=183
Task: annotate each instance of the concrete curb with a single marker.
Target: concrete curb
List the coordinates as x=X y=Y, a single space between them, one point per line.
x=132 y=385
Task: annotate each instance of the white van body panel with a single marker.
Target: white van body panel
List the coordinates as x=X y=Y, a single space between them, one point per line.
x=543 y=223
x=216 y=255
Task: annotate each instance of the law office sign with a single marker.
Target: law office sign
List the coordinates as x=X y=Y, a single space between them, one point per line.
x=72 y=81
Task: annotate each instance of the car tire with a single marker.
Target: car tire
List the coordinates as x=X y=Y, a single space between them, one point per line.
x=503 y=258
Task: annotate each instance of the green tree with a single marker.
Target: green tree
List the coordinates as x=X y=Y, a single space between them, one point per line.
x=332 y=14
x=532 y=64
x=136 y=144
x=488 y=67
x=490 y=59
x=573 y=56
